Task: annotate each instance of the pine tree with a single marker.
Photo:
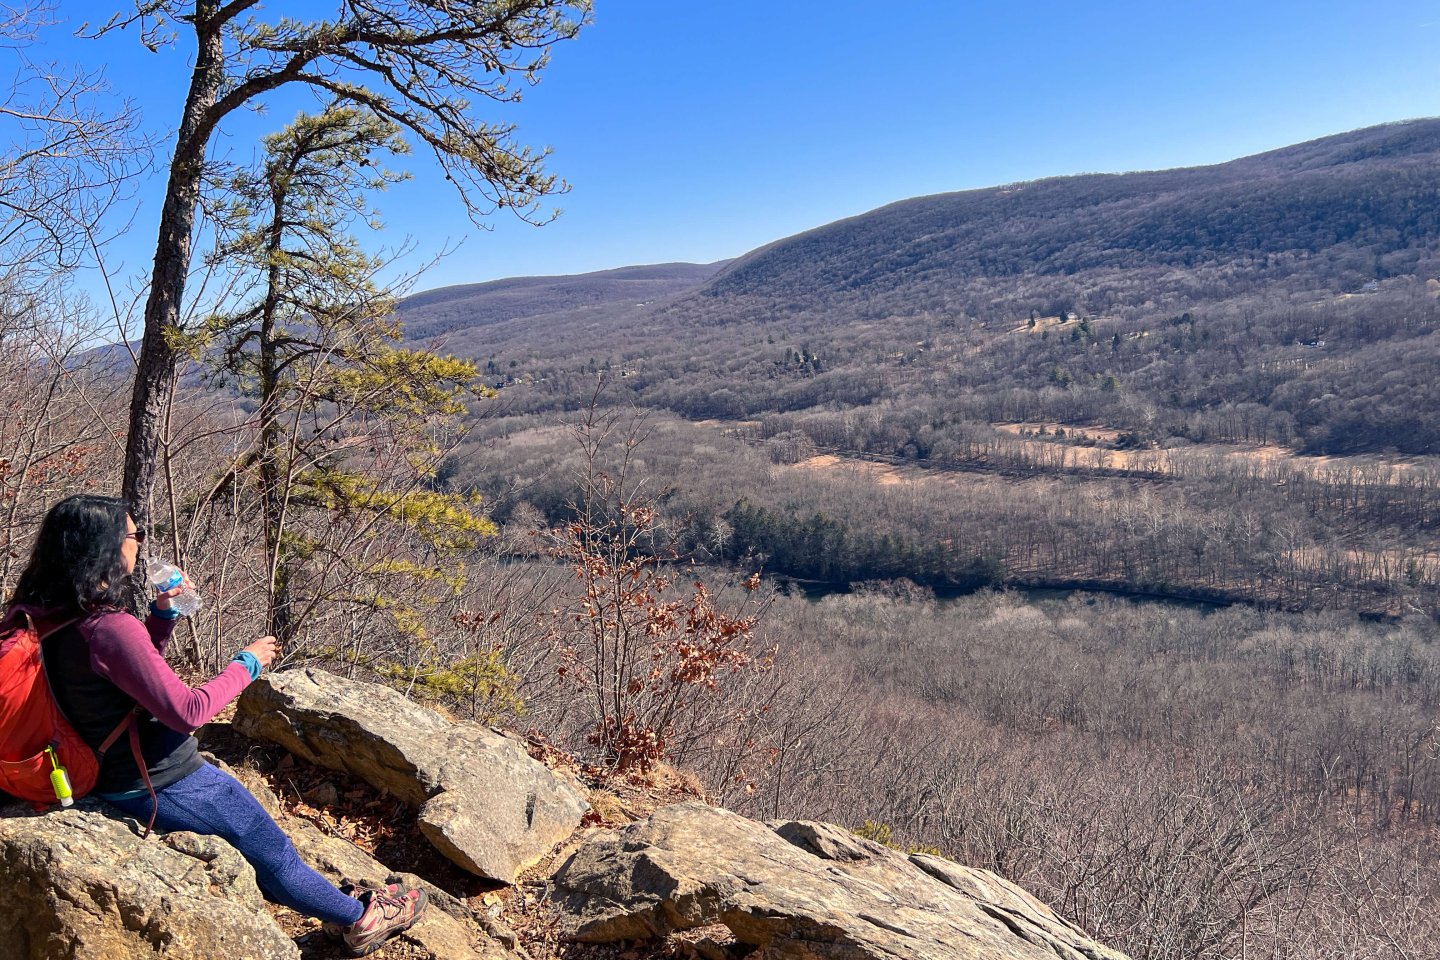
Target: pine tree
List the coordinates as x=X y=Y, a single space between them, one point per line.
x=317 y=349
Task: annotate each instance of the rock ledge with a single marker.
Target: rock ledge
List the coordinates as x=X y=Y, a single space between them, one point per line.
x=802 y=890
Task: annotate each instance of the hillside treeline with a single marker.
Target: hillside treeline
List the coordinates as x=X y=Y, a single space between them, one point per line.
x=1269 y=532
x=1252 y=222
x=1309 y=372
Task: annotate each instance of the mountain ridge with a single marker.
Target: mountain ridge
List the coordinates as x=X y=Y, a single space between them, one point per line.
x=437 y=311
x=1294 y=200
x=1052 y=226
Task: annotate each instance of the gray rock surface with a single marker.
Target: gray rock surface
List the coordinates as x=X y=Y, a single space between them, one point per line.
x=87 y=879
x=448 y=931
x=82 y=886
x=483 y=801
x=800 y=890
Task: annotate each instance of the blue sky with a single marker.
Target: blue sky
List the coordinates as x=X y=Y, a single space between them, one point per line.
x=700 y=131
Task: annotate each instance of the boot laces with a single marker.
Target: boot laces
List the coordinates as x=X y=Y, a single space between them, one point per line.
x=390 y=907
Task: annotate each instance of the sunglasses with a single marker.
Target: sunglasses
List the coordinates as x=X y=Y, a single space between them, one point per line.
x=138 y=536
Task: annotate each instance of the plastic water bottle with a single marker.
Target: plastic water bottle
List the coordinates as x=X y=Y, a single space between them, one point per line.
x=165 y=576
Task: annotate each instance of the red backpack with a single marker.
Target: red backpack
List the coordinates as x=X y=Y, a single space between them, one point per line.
x=35 y=738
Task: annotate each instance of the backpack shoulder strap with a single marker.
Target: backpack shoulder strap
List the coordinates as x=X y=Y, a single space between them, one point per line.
x=127 y=723
x=130 y=724
x=40 y=639
x=54 y=628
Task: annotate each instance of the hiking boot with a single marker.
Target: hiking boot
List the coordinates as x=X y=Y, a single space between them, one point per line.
x=385 y=916
x=335 y=930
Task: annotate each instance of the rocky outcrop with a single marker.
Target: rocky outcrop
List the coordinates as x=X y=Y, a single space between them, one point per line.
x=808 y=891
x=483 y=801
x=81 y=885
x=86 y=887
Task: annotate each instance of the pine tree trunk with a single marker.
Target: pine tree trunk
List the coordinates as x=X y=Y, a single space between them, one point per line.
x=274 y=460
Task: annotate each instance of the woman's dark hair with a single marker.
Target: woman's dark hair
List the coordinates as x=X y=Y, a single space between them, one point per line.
x=76 y=563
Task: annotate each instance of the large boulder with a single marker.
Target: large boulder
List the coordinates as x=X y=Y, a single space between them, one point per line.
x=801 y=890
x=484 y=802
x=80 y=885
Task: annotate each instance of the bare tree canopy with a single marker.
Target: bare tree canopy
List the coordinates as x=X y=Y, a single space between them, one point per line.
x=426 y=67
x=70 y=149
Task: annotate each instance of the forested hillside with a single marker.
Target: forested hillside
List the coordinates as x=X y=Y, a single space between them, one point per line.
x=1287 y=298
x=627 y=289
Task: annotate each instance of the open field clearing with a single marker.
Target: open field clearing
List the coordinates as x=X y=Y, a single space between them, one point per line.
x=1074 y=452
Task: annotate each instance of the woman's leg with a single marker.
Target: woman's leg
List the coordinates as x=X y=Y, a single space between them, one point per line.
x=212 y=802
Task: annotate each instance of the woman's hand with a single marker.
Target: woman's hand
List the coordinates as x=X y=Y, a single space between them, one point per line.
x=264 y=650
x=163 y=597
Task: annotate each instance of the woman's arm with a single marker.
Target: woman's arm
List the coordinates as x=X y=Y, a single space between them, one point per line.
x=160 y=628
x=125 y=653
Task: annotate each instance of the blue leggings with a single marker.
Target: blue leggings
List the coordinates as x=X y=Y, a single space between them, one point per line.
x=213 y=803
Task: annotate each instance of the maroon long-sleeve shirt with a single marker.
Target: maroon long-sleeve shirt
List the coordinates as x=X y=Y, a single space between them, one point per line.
x=101 y=668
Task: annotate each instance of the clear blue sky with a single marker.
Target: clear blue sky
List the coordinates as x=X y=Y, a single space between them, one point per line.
x=700 y=131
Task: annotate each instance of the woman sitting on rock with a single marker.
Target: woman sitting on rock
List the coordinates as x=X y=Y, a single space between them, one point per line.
x=105 y=662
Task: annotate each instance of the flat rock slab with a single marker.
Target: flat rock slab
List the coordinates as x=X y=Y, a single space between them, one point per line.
x=483 y=801
x=800 y=890
x=80 y=885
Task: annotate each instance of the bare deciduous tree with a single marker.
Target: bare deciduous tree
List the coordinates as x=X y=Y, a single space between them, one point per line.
x=70 y=149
